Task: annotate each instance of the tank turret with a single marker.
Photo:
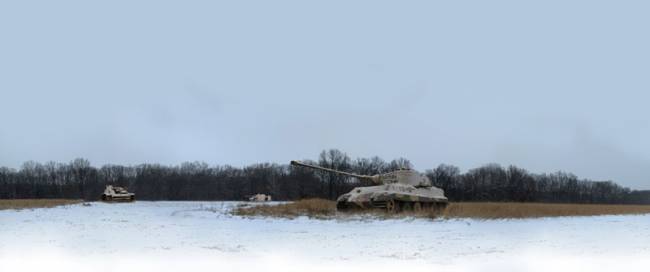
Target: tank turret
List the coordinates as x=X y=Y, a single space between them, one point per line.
x=395 y=191
x=402 y=176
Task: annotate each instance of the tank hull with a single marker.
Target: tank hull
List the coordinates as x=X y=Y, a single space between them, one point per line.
x=392 y=198
x=118 y=198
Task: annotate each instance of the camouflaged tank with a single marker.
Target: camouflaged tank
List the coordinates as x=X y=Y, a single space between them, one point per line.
x=260 y=198
x=401 y=190
x=114 y=193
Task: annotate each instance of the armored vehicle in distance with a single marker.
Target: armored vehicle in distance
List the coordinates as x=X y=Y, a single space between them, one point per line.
x=260 y=198
x=114 y=193
x=401 y=190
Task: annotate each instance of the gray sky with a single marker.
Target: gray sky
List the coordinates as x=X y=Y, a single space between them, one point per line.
x=545 y=85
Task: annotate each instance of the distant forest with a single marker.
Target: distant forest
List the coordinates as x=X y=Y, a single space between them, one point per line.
x=200 y=181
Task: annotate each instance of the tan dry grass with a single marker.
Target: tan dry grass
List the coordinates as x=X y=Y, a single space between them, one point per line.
x=17 y=204
x=309 y=207
x=496 y=210
x=320 y=208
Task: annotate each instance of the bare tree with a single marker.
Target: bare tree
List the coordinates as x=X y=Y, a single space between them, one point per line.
x=334 y=159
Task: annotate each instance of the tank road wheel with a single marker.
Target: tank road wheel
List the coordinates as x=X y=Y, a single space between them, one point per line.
x=406 y=206
x=391 y=206
x=429 y=206
x=417 y=207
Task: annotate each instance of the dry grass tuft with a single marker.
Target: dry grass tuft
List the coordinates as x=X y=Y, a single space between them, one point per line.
x=495 y=210
x=320 y=208
x=18 y=204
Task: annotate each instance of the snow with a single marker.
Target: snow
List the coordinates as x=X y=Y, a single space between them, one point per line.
x=203 y=236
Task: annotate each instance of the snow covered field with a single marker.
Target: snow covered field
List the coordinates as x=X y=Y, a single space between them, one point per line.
x=202 y=236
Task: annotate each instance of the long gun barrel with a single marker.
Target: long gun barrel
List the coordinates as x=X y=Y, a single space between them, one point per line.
x=374 y=179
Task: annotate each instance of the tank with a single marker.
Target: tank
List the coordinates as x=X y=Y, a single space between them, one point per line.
x=397 y=191
x=114 y=193
x=259 y=198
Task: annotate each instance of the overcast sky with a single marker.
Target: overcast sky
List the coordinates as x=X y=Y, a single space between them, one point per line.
x=545 y=85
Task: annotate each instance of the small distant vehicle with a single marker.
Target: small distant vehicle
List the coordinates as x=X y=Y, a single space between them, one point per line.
x=115 y=193
x=260 y=198
x=397 y=191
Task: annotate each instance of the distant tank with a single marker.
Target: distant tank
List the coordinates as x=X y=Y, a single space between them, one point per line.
x=114 y=193
x=401 y=190
x=260 y=198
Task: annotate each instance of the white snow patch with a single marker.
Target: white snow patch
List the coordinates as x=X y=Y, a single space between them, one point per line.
x=203 y=236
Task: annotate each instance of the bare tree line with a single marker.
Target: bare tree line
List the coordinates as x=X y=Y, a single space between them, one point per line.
x=199 y=181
